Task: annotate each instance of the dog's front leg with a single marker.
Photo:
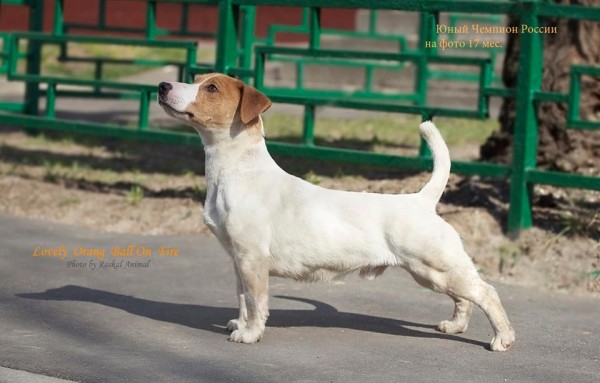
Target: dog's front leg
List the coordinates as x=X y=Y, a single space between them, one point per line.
x=254 y=276
x=240 y=322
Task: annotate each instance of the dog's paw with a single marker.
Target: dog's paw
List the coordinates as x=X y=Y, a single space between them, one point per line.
x=246 y=335
x=450 y=327
x=504 y=341
x=236 y=324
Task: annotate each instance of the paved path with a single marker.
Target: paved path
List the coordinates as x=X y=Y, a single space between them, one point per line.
x=164 y=323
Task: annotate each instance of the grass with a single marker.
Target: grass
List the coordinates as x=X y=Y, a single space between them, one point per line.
x=371 y=133
x=52 y=171
x=42 y=139
x=52 y=66
x=135 y=194
x=200 y=191
x=580 y=222
x=509 y=256
x=380 y=133
x=78 y=168
x=56 y=171
x=375 y=133
x=550 y=242
x=69 y=201
x=312 y=177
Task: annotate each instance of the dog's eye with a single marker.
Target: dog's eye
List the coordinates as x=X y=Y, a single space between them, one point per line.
x=212 y=88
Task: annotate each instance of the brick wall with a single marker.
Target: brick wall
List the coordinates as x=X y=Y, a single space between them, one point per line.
x=201 y=18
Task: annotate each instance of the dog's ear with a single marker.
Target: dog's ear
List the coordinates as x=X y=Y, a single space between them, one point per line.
x=252 y=103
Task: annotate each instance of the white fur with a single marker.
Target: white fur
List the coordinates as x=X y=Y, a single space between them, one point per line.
x=308 y=232
x=182 y=95
x=273 y=223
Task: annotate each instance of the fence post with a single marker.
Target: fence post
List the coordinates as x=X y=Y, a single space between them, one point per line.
x=184 y=20
x=51 y=101
x=314 y=42
x=525 y=135
x=144 y=110
x=191 y=59
x=151 y=20
x=247 y=38
x=426 y=34
x=58 y=27
x=32 y=89
x=227 y=36
x=102 y=14
x=314 y=26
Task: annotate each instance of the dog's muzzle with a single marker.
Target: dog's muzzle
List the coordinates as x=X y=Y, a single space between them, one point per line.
x=163 y=89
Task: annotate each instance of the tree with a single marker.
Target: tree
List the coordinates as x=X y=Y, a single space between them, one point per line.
x=576 y=42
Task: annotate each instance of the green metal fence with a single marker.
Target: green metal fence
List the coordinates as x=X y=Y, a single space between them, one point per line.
x=149 y=32
x=35 y=24
x=142 y=91
x=372 y=34
x=239 y=53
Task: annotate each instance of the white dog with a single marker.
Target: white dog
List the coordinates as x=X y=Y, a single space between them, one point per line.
x=272 y=223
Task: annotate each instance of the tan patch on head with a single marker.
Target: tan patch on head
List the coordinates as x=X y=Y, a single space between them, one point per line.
x=216 y=102
x=201 y=77
x=253 y=103
x=223 y=103
x=221 y=100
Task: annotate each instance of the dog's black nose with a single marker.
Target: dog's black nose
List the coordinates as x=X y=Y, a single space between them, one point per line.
x=164 y=87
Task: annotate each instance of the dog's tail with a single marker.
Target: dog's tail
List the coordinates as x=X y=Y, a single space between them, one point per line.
x=441 y=162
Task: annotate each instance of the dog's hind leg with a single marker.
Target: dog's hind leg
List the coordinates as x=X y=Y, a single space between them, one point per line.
x=460 y=320
x=463 y=284
x=474 y=289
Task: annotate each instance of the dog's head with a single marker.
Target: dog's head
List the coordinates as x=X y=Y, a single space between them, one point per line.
x=213 y=103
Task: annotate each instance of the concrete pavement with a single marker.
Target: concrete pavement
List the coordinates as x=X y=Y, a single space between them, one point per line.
x=164 y=322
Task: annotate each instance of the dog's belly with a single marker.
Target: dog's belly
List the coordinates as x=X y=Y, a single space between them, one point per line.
x=322 y=274
x=321 y=255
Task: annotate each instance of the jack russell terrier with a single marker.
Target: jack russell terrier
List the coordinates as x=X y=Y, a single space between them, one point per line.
x=272 y=223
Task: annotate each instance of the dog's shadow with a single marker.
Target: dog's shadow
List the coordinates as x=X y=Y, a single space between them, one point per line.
x=212 y=319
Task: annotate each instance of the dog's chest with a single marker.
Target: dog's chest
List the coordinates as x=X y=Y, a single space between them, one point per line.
x=214 y=211
x=214 y=205
x=210 y=220
x=219 y=207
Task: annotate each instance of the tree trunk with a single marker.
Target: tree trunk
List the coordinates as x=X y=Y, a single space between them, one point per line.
x=577 y=42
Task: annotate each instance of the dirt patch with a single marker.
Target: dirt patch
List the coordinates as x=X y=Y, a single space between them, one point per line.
x=154 y=189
